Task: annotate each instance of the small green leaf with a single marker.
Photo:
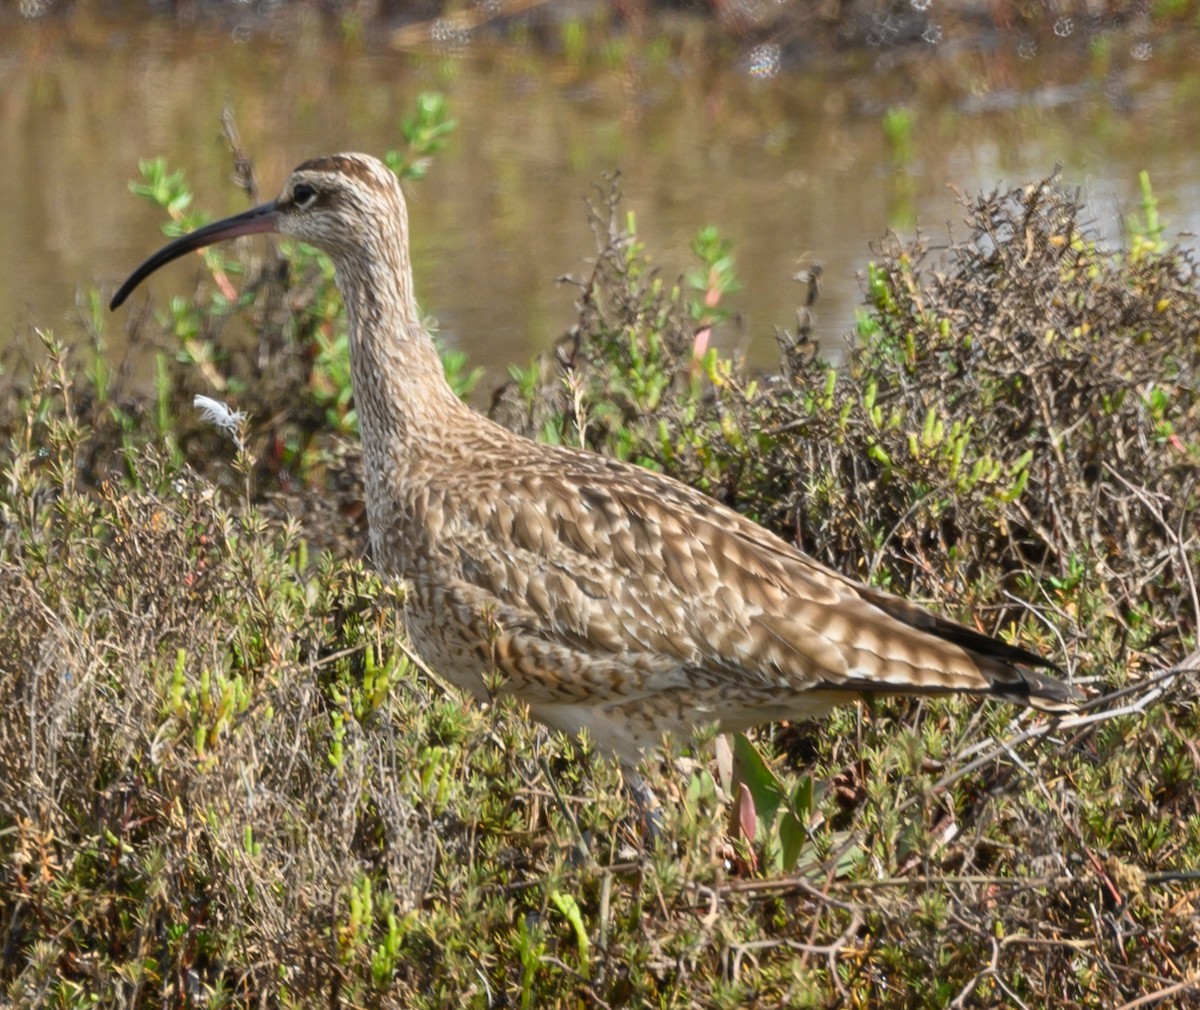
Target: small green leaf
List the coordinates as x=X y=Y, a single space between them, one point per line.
x=765 y=788
x=569 y=907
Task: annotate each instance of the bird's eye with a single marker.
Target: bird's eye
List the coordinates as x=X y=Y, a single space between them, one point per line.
x=303 y=195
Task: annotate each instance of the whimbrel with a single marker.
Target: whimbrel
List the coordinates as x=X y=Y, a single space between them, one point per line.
x=608 y=597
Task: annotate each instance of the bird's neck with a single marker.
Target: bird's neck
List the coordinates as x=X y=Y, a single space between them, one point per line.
x=405 y=406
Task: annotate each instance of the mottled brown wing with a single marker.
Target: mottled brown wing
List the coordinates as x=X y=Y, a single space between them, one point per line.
x=615 y=558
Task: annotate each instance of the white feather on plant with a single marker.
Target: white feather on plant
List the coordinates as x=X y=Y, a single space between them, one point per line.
x=220 y=416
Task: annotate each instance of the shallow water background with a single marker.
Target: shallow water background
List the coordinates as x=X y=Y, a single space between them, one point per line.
x=779 y=142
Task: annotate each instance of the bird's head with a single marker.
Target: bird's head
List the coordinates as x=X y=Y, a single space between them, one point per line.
x=349 y=205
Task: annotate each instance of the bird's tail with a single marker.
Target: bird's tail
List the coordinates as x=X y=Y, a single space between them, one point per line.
x=1011 y=672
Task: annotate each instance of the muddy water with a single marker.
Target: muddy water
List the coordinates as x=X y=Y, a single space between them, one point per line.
x=793 y=165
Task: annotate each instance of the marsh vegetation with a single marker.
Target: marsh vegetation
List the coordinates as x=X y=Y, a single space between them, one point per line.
x=225 y=781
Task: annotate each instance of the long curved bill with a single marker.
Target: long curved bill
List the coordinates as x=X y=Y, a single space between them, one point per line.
x=251 y=222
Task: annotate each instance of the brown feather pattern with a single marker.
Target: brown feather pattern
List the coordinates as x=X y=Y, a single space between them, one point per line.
x=609 y=597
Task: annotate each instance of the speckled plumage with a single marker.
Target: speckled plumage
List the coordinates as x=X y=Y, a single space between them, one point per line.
x=609 y=597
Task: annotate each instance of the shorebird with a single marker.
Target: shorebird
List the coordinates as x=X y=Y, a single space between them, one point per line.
x=607 y=597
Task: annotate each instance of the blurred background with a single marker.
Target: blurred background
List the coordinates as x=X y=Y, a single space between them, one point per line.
x=803 y=130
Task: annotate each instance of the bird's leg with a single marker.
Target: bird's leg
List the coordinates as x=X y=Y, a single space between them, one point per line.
x=649 y=808
x=581 y=853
